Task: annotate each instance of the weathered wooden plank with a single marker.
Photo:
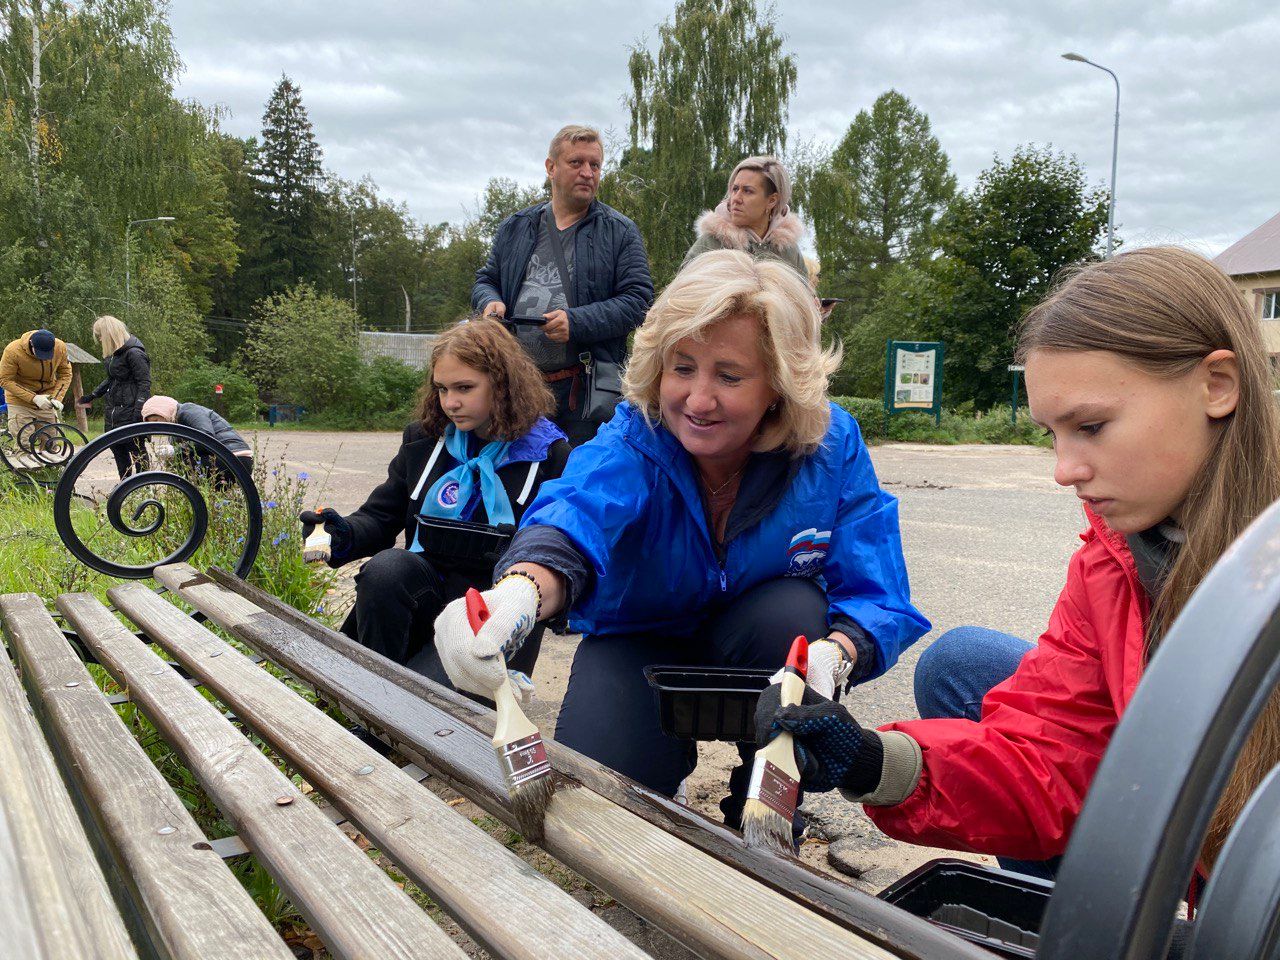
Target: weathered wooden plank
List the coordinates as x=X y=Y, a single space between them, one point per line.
x=144 y=826
x=509 y=908
x=354 y=907
x=19 y=926
x=61 y=904
x=713 y=908
x=830 y=896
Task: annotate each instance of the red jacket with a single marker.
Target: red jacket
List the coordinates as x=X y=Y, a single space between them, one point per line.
x=1012 y=784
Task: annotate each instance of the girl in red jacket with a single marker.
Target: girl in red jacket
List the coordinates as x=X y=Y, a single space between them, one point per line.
x=1149 y=373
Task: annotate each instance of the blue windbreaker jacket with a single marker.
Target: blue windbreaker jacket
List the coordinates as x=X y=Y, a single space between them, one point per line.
x=629 y=502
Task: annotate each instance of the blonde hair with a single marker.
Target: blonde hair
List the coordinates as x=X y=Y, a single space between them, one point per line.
x=573 y=133
x=111 y=333
x=774 y=173
x=722 y=284
x=1166 y=309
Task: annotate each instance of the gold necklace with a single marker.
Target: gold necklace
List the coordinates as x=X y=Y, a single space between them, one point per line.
x=714 y=493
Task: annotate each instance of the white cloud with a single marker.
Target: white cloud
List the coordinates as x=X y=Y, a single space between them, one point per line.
x=432 y=100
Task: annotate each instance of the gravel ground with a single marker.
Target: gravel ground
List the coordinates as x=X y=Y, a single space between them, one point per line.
x=987 y=536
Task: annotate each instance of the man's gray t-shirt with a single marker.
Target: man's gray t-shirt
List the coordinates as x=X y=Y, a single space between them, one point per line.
x=543 y=291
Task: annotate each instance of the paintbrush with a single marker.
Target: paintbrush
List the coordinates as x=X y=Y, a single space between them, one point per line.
x=318 y=543
x=521 y=753
x=775 y=777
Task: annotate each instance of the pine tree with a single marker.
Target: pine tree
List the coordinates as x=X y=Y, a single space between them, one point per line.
x=289 y=173
x=874 y=201
x=716 y=92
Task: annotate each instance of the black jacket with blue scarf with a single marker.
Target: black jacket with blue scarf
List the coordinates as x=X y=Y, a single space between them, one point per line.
x=392 y=510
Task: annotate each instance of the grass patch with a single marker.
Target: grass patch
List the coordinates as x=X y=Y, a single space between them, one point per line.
x=33 y=559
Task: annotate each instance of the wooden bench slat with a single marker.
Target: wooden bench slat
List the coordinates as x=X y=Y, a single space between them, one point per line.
x=61 y=906
x=508 y=907
x=208 y=913
x=827 y=895
x=355 y=908
x=711 y=907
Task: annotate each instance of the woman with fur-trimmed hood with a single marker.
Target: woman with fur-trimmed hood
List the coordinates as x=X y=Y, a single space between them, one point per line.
x=755 y=217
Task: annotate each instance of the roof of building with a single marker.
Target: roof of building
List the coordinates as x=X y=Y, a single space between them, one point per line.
x=77 y=355
x=1258 y=252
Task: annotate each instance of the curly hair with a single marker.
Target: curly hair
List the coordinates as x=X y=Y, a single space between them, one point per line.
x=520 y=396
x=728 y=283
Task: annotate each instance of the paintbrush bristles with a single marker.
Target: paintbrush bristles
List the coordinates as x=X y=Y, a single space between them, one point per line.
x=762 y=828
x=317 y=547
x=529 y=807
x=775 y=778
x=522 y=756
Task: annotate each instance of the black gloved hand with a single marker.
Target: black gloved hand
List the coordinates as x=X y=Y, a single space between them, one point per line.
x=85 y=401
x=335 y=524
x=831 y=748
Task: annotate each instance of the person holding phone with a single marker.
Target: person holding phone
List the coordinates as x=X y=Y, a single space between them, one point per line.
x=578 y=268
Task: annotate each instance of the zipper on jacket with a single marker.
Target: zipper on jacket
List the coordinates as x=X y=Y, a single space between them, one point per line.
x=724 y=581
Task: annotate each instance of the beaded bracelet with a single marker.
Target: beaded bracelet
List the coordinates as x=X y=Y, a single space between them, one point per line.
x=536 y=589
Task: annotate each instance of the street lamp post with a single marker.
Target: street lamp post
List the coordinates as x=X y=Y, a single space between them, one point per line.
x=128 y=227
x=1115 y=150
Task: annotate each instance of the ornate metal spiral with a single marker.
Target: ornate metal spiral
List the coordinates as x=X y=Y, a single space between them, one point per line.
x=204 y=446
x=53 y=444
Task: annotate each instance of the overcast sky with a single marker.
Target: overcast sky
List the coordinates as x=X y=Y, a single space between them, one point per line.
x=432 y=99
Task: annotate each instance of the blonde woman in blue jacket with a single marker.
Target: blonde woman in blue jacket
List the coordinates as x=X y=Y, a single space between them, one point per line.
x=726 y=508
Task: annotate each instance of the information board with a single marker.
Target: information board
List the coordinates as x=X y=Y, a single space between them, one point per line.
x=913 y=376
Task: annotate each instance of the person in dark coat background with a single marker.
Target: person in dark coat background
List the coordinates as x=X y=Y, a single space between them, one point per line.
x=126 y=388
x=479 y=451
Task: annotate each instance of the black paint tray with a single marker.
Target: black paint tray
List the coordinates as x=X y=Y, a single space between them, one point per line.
x=707 y=703
x=996 y=909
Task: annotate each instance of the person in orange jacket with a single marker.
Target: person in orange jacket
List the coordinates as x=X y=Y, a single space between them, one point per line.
x=34 y=374
x=1149 y=373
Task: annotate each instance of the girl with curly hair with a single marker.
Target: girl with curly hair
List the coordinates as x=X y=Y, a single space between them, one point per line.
x=475 y=456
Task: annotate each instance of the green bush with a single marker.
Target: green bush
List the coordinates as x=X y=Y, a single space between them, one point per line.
x=168 y=324
x=961 y=425
x=388 y=386
x=303 y=348
x=239 y=401
x=868 y=413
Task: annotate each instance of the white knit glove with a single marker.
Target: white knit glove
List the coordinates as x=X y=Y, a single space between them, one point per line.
x=476 y=662
x=43 y=402
x=828 y=667
x=56 y=404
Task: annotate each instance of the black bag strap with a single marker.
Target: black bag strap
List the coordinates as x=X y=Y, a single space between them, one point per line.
x=557 y=251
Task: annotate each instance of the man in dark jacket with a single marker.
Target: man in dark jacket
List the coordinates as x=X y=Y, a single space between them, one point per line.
x=590 y=311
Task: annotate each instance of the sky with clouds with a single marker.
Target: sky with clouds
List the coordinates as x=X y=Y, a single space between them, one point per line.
x=432 y=99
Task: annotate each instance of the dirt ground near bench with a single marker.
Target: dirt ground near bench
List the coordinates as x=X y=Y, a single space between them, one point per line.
x=987 y=536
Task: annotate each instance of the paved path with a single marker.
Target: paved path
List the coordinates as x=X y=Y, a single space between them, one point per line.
x=987 y=536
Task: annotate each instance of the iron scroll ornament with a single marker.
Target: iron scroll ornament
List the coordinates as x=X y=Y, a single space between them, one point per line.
x=203 y=444
x=51 y=443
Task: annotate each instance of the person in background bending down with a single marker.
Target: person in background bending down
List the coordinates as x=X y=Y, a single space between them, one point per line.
x=169 y=410
x=34 y=374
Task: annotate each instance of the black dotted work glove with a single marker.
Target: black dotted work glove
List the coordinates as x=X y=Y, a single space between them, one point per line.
x=832 y=749
x=335 y=524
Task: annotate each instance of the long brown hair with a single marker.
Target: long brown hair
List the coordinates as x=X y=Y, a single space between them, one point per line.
x=520 y=396
x=1166 y=309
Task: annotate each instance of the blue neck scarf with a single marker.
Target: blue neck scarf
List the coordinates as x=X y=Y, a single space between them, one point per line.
x=449 y=495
